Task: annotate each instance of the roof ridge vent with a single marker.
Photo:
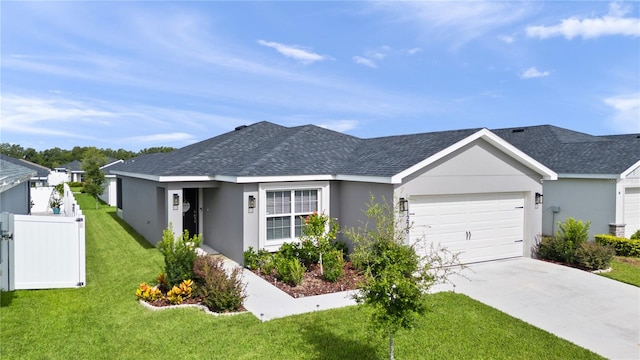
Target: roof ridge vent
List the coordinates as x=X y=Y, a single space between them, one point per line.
x=517 y=130
x=238 y=128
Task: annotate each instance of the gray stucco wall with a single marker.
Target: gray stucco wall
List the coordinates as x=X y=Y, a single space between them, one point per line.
x=16 y=199
x=480 y=168
x=140 y=207
x=582 y=199
x=223 y=219
x=349 y=202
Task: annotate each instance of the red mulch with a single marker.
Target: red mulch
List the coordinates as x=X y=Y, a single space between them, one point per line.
x=314 y=284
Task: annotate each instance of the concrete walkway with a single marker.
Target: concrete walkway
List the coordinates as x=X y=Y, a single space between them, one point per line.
x=594 y=312
x=267 y=302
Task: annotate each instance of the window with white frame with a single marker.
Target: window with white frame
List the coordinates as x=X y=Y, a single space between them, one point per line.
x=284 y=207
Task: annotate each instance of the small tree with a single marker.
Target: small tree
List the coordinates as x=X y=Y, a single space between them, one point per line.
x=93 y=177
x=397 y=278
x=321 y=230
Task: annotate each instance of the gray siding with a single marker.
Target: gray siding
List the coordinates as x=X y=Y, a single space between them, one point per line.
x=352 y=200
x=16 y=200
x=141 y=210
x=582 y=199
x=223 y=219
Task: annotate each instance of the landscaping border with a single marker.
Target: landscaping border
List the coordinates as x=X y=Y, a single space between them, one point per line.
x=197 y=306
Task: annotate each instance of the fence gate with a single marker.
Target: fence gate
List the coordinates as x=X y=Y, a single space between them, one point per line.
x=43 y=252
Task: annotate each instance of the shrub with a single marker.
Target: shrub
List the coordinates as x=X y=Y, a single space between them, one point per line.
x=308 y=252
x=251 y=259
x=622 y=246
x=267 y=262
x=342 y=246
x=636 y=235
x=219 y=290
x=148 y=293
x=179 y=255
x=594 y=256
x=289 y=271
x=550 y=248
x=290 y=250
x=572 y=233
x=333 y=263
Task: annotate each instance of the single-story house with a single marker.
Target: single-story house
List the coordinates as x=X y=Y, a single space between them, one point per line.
x=14 y=187
x=469 y=190
x=76 y=172
x=109 y=194
x=598 y=176
x=42 y=173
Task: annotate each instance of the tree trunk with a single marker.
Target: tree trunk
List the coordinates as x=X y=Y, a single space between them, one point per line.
x=321 y=267
x=391 y=349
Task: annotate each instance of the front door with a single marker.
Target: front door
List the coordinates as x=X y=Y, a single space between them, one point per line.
x=190 y=211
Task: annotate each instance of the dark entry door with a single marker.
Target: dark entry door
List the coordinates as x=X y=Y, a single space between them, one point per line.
x=190 y=211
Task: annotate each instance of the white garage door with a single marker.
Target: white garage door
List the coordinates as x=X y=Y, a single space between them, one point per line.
x=631 y=211
x=481 y=227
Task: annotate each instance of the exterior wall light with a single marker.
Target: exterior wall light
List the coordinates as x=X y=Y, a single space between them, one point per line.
x=176 y=201
x=403 y=204
x=252 y=203
x=539 y=198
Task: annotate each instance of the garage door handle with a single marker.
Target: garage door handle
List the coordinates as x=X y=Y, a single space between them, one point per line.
x=519 y=241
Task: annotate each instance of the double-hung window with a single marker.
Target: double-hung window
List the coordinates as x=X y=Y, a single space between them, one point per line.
x=285 y=210
x=284 y=207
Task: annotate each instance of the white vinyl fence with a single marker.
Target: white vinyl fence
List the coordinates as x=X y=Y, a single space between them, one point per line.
x=43 y=252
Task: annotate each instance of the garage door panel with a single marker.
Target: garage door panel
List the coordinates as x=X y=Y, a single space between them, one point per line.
x=631 y=210
x=479 y=226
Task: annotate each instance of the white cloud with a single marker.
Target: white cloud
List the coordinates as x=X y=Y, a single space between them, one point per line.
x=626 y=117
x=162 y=138
x=456 y=22
x=533 y=72
x=340 y=125
x=364 y=61
x=294 y=52
x=507 y=39
x=614 y=23
x=413 y=51
x=379 y=53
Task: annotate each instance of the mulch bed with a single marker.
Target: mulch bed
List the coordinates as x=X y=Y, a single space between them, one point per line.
x=314 y=284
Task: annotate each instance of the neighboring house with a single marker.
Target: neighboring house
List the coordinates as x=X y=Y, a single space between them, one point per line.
x=469 y=189
x=598 y=176
x=14 y=187
x=42 y=173
x=76 y=172
x=110 y=194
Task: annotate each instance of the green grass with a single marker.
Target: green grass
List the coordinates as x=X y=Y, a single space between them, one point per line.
x=625 y=269
x=104 y=321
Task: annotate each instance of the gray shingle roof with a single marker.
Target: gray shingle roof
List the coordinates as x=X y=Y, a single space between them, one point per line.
x=41 y=171
x=267 y=149
x=13 y=174
x=571 y=152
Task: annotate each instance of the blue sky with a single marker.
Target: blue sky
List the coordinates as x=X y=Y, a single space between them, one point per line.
x=134 y=75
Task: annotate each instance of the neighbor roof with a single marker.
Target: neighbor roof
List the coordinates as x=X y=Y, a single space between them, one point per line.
x=13 y=174
x=265 y=149
x=41 y=171
x=571 y=152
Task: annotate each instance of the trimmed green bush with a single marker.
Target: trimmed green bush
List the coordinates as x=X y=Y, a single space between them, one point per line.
x=636 y=235
x=333 y=263
x=572 y=232
x=290 y=250
x=251 y=259
x=179 y=255
x=622 y=246
x=289 y=271
x=594 y=256
x=550 y=248
x=219 y=290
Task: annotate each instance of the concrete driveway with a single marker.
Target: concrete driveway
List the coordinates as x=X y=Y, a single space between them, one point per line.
x=589 y=310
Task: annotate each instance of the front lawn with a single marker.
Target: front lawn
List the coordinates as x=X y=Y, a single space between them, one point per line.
x=104 y=321
x=625 y=269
